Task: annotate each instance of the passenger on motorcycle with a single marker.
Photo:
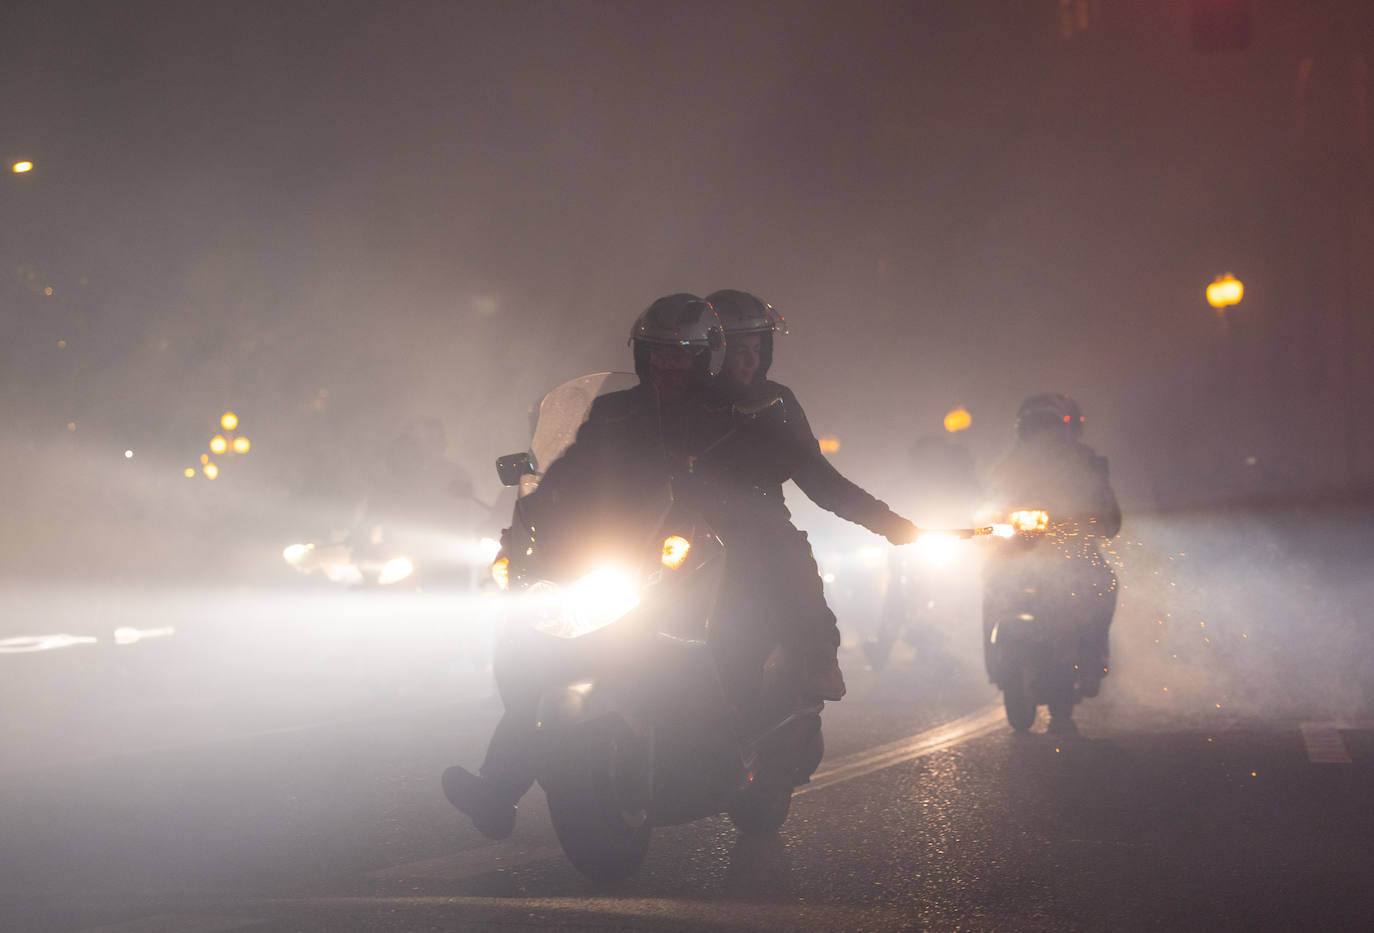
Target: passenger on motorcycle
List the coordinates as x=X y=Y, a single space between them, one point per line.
x=777 y=557
x=1049 y=468
x=615 y=464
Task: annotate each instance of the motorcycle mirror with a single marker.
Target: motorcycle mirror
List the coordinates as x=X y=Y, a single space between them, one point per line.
x=756 y=408
x=513 y=466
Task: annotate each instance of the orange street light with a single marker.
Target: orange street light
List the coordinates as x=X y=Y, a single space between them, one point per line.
x=228 y=421
x=22 y=167
x=958 y=420
x=1227 y=290
x=218 y=444
x=241 y=445
x=829 y=444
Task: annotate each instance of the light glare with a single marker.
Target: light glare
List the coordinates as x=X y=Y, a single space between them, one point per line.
x=395 y=570
x=500 y=572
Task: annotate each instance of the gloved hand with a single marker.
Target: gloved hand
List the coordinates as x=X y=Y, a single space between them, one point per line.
x=901 y=531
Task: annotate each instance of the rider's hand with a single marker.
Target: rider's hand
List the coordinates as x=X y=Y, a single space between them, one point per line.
x=901 y=531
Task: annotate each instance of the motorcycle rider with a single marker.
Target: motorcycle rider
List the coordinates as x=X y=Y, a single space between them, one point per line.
x=777 y=555
x=615 y=464
x=1049 y=468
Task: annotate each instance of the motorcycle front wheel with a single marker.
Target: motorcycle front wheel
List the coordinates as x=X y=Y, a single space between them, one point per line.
x=595 y=801
x=1017 y=699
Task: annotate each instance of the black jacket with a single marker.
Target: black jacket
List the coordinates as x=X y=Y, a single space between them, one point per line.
x=812 y=472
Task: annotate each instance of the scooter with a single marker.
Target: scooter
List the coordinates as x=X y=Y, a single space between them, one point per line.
x=647 y=715
x=1042 y=593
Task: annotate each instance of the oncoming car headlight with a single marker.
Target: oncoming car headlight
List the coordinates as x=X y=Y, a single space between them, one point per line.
x=593 y=602
x=395 y=570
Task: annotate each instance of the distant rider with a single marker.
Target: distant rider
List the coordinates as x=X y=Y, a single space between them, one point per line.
x=1049 y=468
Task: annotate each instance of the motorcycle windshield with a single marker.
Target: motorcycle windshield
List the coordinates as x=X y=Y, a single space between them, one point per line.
x=563 y=410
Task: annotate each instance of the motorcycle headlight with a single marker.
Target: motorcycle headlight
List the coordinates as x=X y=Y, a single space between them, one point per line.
x=1030 y=520
x=293 y=554
x=593 y=602
x=395 y=570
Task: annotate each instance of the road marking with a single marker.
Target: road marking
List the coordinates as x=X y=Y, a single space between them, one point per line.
x=181 y=923
x=915 y=746
x=1325 y=746
x=541 y=911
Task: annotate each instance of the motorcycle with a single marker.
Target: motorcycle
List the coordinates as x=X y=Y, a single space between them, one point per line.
x=1043 y=588
x=648 y=716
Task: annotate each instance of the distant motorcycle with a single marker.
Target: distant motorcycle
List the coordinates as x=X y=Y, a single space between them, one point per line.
x=1041 y=584
x=644 y=721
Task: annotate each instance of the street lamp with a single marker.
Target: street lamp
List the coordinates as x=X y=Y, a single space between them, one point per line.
x=22 y=167
x=958 y=420
x=1225 y=290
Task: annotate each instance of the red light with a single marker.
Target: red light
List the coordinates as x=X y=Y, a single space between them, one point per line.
x=1067 y=419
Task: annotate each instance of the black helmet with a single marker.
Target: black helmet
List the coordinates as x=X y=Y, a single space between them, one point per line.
x=742 y=314
x=680 y=320
x=1050 y=410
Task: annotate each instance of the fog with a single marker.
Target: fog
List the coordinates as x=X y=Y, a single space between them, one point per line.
x=336 y=219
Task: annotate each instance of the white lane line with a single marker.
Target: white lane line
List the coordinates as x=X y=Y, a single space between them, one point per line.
x=1325 y=745
x=181 y=923
x=915 y=746
x=542 y=912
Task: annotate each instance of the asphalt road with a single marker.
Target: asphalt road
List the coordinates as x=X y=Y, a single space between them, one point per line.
x=319 y=810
